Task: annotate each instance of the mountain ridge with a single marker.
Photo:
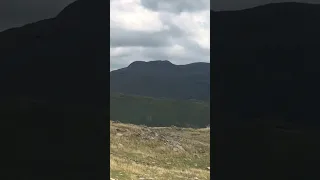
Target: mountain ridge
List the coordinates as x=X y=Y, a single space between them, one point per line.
x=162 y=62
x=163 y=79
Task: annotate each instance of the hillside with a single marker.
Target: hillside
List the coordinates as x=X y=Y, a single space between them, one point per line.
x=141 y=152
x=57 y=59
x=265 y=62
x=163 y=79
x=54 y=82
x=159 y=112
x=266 y=68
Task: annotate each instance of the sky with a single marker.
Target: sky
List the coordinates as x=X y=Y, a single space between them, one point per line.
x=141 y=30
x=174 y=30
x=144 y=30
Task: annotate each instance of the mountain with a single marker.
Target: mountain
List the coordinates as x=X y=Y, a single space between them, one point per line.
x=265 y=69
x=159 y=112
x=162 y=79
x=264 y=61
x=53 y=97
x=50 y=59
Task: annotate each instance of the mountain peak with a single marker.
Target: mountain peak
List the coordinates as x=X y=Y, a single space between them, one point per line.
x=155 y=63
x=84 y=14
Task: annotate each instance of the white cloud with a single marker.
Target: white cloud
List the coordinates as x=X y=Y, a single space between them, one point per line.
x=197 y=26
x=173 y=30
x=129 y=14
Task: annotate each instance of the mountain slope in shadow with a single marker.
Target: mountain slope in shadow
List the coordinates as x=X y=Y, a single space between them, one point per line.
x=265 y=68
x=62 y=56
x=54 y=94
x=265 y=61
x=162 y=79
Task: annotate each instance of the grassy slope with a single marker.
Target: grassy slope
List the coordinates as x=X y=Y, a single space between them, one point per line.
x=158 y=153
x=159 y=112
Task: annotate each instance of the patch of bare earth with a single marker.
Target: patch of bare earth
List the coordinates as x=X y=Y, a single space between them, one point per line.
x=164 y=153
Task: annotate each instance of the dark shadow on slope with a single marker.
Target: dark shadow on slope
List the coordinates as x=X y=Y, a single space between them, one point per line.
x=265 y=71
x=54 y=94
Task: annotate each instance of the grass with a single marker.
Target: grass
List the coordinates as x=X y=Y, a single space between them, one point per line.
x=162 y=153
x=159 y=111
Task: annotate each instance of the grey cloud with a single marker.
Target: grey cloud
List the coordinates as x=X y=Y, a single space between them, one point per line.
x=160 y=53
x=148 y=46
x=188 y=57
x=156 y=46
x=176 y=6
x=125 y=38
x=15 y=13
x=124 y=54
x=174 y=30
x=117 y=64
x=194 y=47
x=193 y=53
x=125 y=58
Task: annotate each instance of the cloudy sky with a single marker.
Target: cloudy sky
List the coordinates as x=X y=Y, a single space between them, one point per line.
x=175 y=30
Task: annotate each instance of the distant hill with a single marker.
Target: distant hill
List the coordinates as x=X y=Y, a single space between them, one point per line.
x=159 y=112
x=163 y=79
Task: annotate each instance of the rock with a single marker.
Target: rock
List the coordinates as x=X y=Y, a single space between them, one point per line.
x=201 y=150
x=119 y=134
x=177 y=147
x=208 y=168
x=121 y=130
x=180 y=148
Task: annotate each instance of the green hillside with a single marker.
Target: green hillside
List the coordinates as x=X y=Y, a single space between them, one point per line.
x=159 y=112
